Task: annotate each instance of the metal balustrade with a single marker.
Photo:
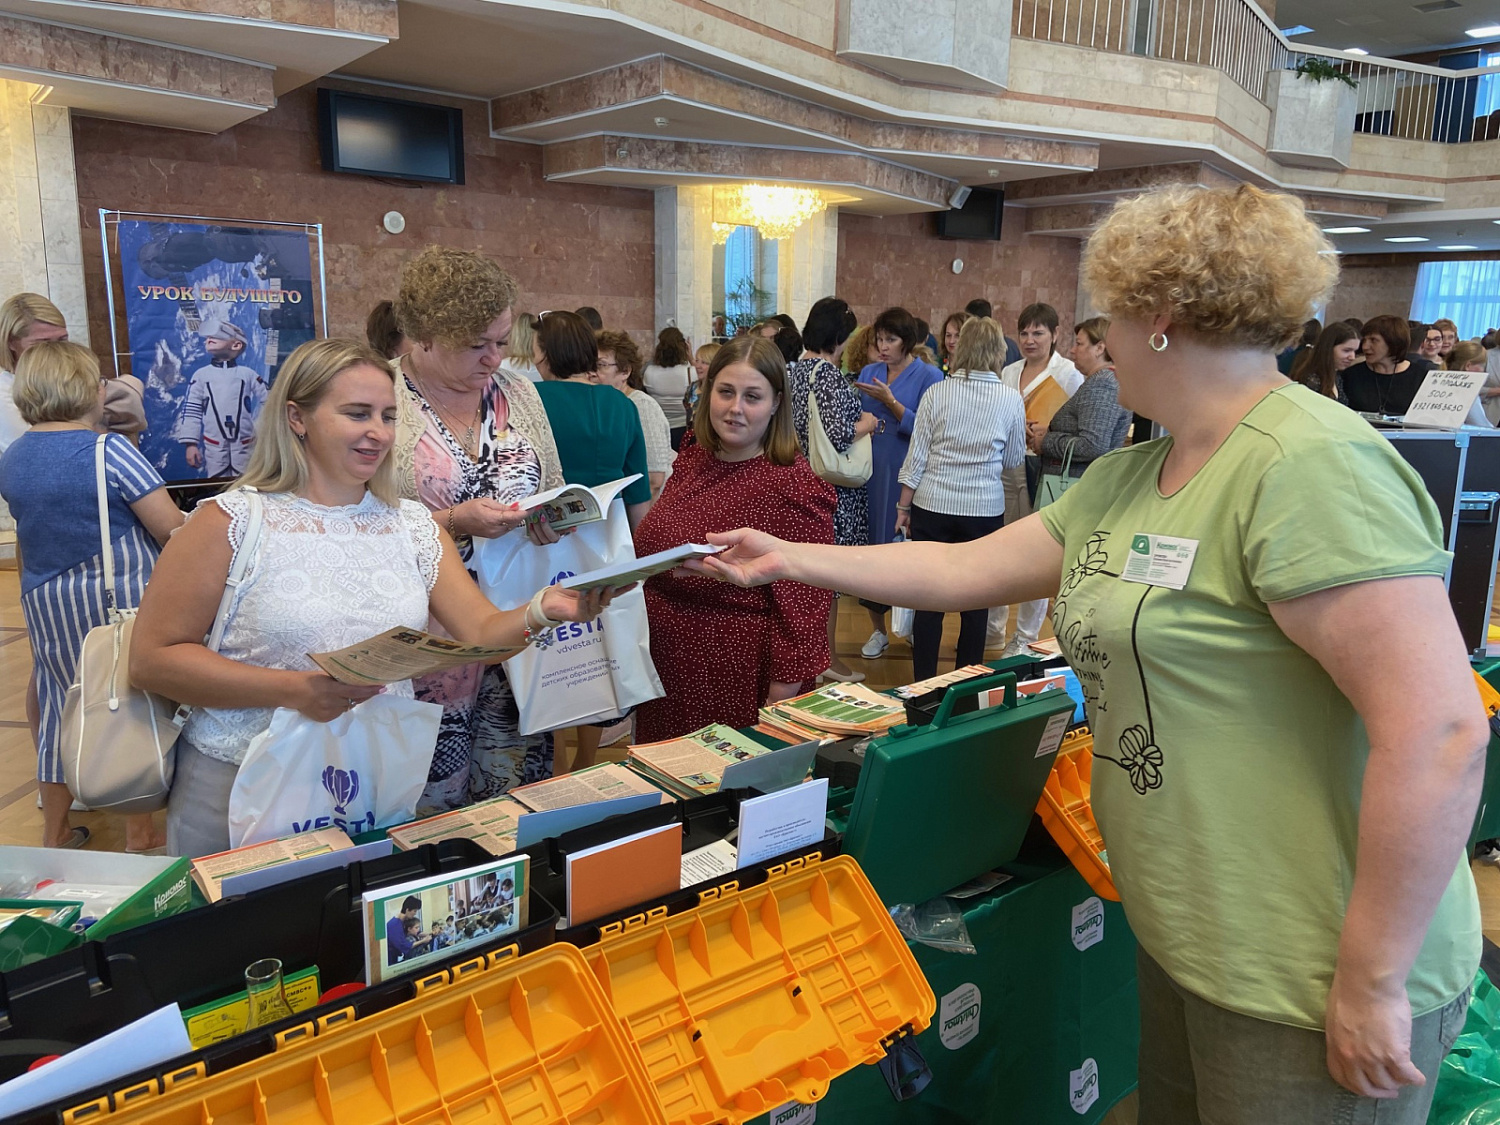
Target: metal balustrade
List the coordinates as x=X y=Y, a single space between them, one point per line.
x=1235 y=37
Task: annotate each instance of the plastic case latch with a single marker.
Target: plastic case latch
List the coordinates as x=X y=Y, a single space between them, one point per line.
x=723 y=890
x=612 y=930
x=792 y=866
x=903 y=1067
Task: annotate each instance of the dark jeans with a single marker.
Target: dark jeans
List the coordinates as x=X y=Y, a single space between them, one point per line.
x=927 y=626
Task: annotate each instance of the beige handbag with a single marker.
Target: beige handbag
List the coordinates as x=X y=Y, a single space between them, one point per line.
x=117 y=741
x=851 y=469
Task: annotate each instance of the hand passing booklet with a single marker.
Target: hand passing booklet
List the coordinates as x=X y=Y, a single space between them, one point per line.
x=638 y=570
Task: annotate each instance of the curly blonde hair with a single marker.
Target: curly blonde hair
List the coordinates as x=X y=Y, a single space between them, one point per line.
x=449 y=297
x=1241 y=264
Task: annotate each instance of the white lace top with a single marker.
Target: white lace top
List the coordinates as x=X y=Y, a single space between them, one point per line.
x=321 y=579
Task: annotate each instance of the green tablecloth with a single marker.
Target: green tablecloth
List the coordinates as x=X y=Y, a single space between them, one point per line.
x=1055 y=1022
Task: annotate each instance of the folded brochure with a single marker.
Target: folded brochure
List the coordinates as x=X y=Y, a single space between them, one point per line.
x=576 y=504
x=638 y=570
x=210 y=871
x=490 y=824
x=694 y=764
x=603 y=782
x=402 y=654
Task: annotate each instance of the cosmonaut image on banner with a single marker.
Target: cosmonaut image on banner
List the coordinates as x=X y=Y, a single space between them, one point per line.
x=211 y=312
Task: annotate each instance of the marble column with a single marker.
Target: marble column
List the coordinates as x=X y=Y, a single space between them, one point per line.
x=685 y=260
x=41 y=243
x=808 y=265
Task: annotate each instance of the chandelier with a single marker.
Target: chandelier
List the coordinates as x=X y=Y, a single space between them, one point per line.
x=722 y=231
x=773 y=210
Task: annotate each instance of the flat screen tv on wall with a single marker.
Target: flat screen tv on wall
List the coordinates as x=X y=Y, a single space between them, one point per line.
x=978 y=218
x=401 y=140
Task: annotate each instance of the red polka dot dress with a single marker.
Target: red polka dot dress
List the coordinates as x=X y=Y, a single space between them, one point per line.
x=717 y=647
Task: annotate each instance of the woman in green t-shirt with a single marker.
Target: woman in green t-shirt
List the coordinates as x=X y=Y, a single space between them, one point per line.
x=1289 y=743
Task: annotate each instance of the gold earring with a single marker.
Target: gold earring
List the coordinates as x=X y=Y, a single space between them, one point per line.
x=1155 y=347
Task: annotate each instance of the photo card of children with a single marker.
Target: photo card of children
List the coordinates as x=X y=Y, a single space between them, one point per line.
x=415 y=925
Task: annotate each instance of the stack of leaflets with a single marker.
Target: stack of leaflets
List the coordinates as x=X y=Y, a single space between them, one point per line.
x=490 y=824
x=694 y=764
x=838 y=709
x=210 y=871
x=583 y=787
x=923 y=687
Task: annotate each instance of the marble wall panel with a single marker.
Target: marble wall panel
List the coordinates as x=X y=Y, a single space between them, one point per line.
x=566 y=244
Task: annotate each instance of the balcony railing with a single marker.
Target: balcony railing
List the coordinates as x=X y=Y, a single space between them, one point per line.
x=1234 y=36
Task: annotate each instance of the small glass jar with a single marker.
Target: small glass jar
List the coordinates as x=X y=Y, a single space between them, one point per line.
x=268 y=1001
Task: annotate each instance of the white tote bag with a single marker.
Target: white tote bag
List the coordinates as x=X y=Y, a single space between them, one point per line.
x=589 y=673
x=364 y=770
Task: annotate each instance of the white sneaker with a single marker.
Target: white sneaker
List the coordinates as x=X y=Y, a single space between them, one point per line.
x=1016 y=646
x=875 y=646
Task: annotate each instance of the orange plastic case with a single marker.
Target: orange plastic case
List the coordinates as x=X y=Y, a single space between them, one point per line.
x=1069 y=817
x=711 y=1016
x=762 y=996
x=515 y=1040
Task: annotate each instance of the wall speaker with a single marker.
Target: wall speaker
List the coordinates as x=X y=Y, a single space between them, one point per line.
x=959 y=197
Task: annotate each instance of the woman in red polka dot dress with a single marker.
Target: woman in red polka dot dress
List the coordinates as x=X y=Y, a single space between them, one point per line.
x=723 y=652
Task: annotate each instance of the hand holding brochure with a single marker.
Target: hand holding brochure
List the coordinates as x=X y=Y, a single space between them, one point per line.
x=574 y=504
x=638 y=570
x=401 y=654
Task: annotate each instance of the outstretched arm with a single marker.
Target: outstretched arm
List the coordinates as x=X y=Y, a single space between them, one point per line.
x=1020 y=562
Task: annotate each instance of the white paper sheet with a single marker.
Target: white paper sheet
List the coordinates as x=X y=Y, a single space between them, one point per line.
x=782 y=822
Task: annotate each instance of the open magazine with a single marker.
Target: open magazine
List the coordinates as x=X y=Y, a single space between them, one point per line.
x=694 y=764
x=401 y=654
x=575 y=504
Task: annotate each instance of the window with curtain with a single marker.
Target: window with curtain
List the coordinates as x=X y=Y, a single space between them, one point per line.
x=1467 y=293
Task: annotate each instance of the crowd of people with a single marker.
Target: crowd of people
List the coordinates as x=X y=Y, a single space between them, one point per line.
x=1329 y=924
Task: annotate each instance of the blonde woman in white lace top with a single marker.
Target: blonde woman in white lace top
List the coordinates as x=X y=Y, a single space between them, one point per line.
x=339 y=559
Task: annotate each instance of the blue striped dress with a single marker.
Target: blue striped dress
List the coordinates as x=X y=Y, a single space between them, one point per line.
x=48 y=480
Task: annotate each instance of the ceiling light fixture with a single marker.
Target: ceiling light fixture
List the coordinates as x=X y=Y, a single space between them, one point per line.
x=1300 y=29
x=1486 y=32
x=1355 y=51
x=1458 y=248
x=1346 y=230
x=773 y=210
x=1408 y=238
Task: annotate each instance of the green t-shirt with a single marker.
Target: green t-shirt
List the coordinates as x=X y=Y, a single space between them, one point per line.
x=1227 y=765
x=598 y=434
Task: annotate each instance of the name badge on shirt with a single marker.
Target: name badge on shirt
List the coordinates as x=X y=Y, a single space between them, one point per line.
x=1160 y=560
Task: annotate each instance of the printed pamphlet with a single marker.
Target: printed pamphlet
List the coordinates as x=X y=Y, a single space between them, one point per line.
x=414 y=926
x=575 y=504
x=210 y=871
x=638 y=570
x=842 y=709
x=923 y=687
x=402 y=654
x=490 y=824
x=694 y=764
x=712 y=862
x=597 y=783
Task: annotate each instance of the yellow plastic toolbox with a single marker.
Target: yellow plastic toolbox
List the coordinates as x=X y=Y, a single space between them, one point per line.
x=512 y=1040
x=1068 y=815
x=713 y=1015
x=763 y=995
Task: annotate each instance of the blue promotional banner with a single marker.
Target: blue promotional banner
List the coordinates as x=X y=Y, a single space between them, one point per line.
x=211 y=312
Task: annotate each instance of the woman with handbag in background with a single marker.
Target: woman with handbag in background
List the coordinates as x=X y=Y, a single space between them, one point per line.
x=48 y=477
x=846 y=428
x=340 y=558
x=1088 y=425
x=969 y=430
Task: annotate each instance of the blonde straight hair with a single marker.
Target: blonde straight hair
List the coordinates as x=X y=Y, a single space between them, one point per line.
x=56 y=382
x=981 y=346
x=17 y=315
x=279 y=463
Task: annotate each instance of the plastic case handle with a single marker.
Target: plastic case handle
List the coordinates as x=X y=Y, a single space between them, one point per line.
x=973 y=687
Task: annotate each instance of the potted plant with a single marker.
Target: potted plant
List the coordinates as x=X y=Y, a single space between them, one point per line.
x=1312 y=114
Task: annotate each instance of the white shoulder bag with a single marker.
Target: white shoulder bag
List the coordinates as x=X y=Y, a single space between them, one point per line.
x=851 y=469
x=118 y=741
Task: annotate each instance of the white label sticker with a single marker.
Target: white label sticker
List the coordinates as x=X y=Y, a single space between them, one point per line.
x=1052 y=736
x=1159 y=560
x=1088 y=923
x=793 y=1113
x=958 y=1016
x=1083 y=1086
